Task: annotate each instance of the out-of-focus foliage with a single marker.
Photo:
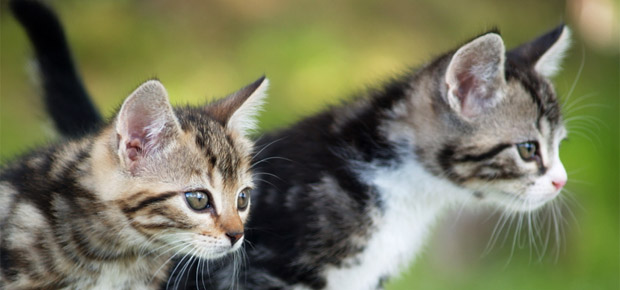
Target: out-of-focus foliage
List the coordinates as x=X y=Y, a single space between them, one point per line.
x=321 y=52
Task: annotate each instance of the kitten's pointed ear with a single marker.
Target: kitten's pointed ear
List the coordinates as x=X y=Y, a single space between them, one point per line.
x=144 y=124
x=544 y=53
x=239 y=110
x=475 y=75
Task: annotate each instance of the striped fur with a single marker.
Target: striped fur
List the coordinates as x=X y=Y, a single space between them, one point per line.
x=356 y=210
x=76 y=216
x=347 y=197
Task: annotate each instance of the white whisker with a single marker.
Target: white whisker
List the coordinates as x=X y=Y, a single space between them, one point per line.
x=579 y=71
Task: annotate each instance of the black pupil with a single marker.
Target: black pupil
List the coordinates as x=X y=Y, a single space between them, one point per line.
x=527 y=150
x=197 y=200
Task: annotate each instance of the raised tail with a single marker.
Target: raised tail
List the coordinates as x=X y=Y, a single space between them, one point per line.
x=66 y=99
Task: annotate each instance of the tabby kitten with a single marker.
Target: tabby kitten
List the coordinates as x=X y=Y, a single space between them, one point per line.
x=111 y=209
x=347 y=198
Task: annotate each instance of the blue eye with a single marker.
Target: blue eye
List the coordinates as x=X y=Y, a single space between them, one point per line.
x=197 y=200
x=527 y=150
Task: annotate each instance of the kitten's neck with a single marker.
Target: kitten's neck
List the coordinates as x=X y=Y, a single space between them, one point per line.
x=408 y=182
x=411 y=201
x=368 y=168
x=411 y=198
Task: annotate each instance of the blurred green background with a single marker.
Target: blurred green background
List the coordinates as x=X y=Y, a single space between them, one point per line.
x=320 y=52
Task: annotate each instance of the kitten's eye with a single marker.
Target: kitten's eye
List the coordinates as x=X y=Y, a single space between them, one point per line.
x=243 y=200
x=527 y=150
x=197 y=200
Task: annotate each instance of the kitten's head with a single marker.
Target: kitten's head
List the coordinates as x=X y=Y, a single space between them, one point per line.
x=496 y=125
x=182 y=177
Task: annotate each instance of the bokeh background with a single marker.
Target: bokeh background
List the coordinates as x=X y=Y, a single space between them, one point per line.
x=321 y=52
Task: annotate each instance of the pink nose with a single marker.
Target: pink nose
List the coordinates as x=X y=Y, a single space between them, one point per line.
x=558 y=184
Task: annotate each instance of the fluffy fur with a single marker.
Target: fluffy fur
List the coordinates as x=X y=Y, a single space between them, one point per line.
x=109 y=210
x=346 y=198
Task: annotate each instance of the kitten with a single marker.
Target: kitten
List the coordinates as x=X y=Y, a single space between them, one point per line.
x=110 y=210
x=347 y=198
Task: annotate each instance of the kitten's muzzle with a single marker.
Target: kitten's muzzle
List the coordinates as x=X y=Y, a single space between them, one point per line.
x=234 y=237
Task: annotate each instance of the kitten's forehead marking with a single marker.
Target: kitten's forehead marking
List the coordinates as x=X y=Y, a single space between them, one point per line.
x=219 y=148
x=540 y=91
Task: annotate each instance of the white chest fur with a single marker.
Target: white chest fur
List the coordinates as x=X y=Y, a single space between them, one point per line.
x=117 y=278
x=412 y=200
x=139 y=276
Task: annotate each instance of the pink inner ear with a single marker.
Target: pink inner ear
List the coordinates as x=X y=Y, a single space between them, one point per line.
x=466 y=83
x=139 y=123
x=134 y=149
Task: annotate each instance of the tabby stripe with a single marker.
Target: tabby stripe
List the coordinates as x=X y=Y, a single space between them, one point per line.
x=446 y=159
x=87 y=250
x=486 y=155
x=502 y=171
x=171 y=216
x=497 y=176
x=46 y=257
x=154 y=199
x=9 y=265
x=175 y=225
x=67 y=250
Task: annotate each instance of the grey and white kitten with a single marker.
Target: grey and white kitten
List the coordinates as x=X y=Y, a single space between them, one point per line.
x=346 y=199
x=111 y=209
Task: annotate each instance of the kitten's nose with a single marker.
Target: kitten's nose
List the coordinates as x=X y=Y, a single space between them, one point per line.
x=234 y=237
x=558 y=175
x=558 y=184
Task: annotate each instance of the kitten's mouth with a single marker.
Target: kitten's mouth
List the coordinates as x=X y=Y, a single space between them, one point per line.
x=217 y=255
x=524 y=202
x=213 y=252
x=209 y=254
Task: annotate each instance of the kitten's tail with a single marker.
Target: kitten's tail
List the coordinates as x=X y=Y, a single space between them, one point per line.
x=66 y=99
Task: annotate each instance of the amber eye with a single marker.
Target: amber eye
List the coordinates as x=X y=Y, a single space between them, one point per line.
x=527 y=150
x=197 y=200
x=243 y=200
